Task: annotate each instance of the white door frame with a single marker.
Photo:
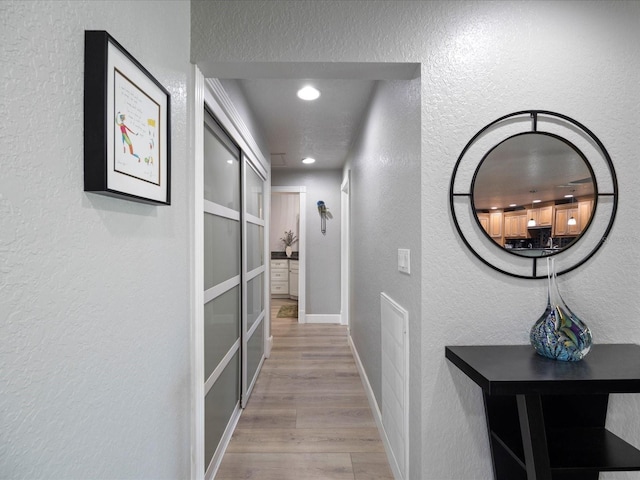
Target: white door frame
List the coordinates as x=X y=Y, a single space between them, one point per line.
x=345 y=215
x=302 y=247
x=211 y=92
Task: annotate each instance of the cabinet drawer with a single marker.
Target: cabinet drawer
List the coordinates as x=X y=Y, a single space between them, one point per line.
x=279 y=288
x=293 y=266
x=280 y=264
x=277 y=275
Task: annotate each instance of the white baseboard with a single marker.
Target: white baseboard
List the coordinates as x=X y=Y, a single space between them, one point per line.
x=377 y=415
x=269 y=346
x=328 y=318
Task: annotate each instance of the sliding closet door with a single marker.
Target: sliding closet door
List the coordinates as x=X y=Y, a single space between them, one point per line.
x=254 y=268
x=222 y=284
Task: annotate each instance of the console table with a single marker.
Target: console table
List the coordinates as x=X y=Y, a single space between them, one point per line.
x=546 y=418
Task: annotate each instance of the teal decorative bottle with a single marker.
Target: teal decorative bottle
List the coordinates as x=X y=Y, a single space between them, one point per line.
x=559 y=334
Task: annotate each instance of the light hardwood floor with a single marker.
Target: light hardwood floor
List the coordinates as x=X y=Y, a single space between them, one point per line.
x=308 y=417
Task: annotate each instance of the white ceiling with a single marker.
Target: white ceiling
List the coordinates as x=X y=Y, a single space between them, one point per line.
x=324 y=128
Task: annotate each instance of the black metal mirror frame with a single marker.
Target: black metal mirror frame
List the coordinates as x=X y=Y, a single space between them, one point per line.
x=533 y=115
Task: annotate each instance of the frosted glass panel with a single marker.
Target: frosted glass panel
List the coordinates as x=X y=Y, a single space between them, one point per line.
x=255 y=186
x=255 y=294
x=219 y=405
x=221 y=328
x=221 y=249
x=221 y=167
x=255 y=351
x=255 y=246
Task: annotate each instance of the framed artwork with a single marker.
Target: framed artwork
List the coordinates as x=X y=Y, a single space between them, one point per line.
x=127 y=136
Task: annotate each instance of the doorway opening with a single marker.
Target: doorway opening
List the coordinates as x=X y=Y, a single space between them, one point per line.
x=288 y=266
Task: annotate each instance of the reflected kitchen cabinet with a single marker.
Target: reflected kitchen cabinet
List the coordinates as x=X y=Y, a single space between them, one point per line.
x=483 y=218
x=580 y=211
x=585 y=208
x=495 y=224
x=543 y=216
x=515 y=225
x=562 y=227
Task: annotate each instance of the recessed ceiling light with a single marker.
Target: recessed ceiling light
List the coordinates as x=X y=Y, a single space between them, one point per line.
x=230 y=162
x=513 y=204
x=537 y=201
x=308 y=160
x=568 y=196
x=494 y=208
x=308 y=93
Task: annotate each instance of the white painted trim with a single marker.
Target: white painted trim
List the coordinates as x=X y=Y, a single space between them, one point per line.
x=214 y=465
x=254 y=220
x=269 y=346
x=221 y=366
x=377 y=415
x=268 y=338
x=255 y=272
x=345 y=241
x=254 y=327
x=219 y=289
x=196 y=184
x=221 y=211
x=255 y=377
x=323 y=318
x=243 y=309
x=227 y=114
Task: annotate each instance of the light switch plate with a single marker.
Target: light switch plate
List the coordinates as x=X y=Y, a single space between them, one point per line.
x=404 y=260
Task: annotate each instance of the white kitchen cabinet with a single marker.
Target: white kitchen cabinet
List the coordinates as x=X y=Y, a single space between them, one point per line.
x=280 y=278
x=293 y=279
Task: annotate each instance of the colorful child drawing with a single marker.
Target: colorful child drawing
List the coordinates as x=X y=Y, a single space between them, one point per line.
x=120 y=118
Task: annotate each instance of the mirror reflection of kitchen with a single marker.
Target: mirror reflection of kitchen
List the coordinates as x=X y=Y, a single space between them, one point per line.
x=533 y=194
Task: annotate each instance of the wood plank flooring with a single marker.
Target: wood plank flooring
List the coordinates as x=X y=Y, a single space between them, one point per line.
x=308 y=417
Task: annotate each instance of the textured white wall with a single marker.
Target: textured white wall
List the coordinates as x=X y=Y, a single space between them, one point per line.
x=385 y=210
x=94 y=291
x=479 y=60
x=323 y=251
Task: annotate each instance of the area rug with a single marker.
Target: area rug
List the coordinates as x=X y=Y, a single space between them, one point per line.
x=288 y=311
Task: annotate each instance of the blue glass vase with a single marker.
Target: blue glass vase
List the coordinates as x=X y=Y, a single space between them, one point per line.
x=559 y=334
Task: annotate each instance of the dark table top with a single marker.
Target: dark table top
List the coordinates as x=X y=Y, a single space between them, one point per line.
x=518 y=369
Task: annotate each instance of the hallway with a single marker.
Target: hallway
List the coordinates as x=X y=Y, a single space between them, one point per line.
x=308 y=417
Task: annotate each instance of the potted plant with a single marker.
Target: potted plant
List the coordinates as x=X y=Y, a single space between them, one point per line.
x=288 y=240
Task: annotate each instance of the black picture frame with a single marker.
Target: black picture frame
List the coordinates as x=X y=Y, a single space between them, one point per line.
x=127 y=131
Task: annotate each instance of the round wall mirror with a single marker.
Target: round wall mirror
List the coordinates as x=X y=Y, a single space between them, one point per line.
x=530 y=185
x=541 y=186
